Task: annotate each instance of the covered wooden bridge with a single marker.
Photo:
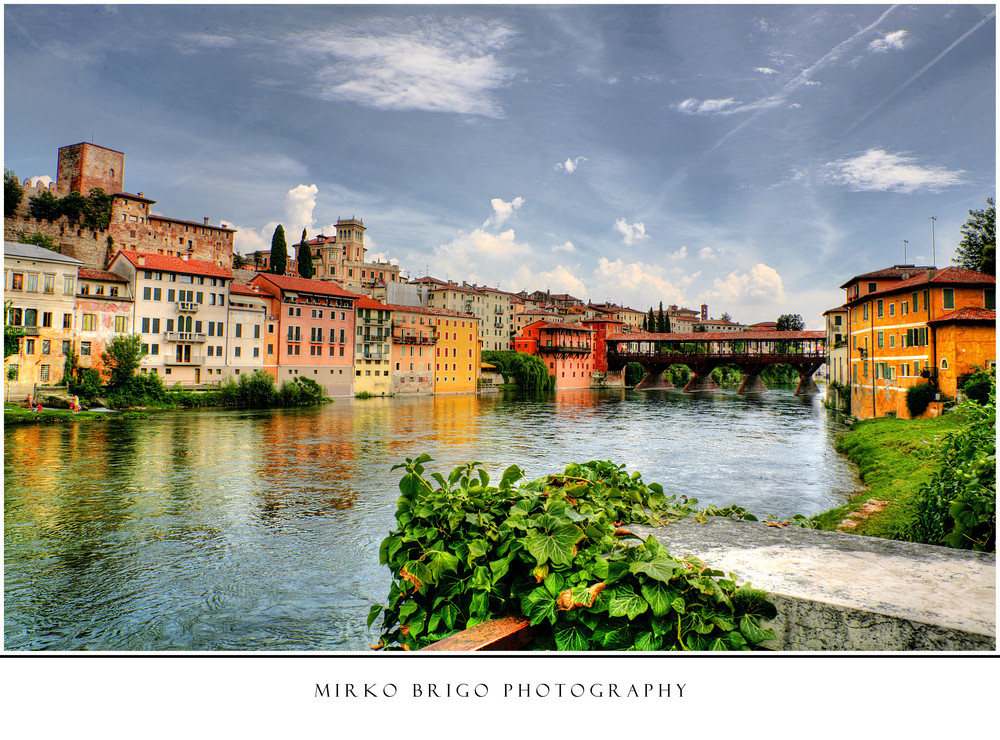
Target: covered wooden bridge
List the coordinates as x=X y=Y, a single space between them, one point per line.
x=751 y=352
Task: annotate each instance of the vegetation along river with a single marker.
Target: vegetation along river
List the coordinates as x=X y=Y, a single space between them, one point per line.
x=259 y=530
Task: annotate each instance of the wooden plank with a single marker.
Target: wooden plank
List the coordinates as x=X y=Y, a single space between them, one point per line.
x=506 y=633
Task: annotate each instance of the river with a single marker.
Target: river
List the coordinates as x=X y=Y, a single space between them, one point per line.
x=259 y=530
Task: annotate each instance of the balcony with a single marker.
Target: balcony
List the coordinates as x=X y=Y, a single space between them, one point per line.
x=188 y=306
x=185 y=336
x=566 y=349
x=415 y=339
x=193 y=362
x=30 y=331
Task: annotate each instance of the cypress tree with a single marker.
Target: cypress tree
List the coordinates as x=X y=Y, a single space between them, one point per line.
x=651 y=321
x=305 y=258
x=660 y=328
x=279 y=251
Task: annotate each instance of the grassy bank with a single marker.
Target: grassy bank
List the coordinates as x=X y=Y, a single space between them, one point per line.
x=894 y=458
x=13 y=414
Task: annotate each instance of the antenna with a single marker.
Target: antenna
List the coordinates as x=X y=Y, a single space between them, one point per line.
x=905 y=242
x=933 y=258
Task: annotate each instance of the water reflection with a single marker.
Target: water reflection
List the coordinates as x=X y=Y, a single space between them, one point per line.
x=213 y=529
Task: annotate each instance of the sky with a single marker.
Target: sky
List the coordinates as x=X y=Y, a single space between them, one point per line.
x=749 y=157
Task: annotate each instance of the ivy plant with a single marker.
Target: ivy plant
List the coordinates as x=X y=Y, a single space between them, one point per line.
x=554 y=550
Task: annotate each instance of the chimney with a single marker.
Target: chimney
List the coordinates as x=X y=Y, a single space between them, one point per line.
x=142 y=261
x=206 y=220
x=139 y=194
x=931 y=272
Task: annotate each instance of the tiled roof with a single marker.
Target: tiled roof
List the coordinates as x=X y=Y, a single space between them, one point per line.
x=243 y=289
x=366 y=302
x=302 y=285
x=133 y=196
x=200 y=224
x=728 y=336
x=166 y=263
x=896 y=271
x=109 y=277
x=946 y=276
x=431 y=311
x=556 y=325
x=33 y=252
x=967 y=314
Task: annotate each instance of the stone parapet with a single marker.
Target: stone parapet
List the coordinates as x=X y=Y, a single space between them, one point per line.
x=843 y=592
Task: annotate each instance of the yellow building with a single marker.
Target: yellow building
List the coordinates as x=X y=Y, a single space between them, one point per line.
x=910 y=325
x=457 y=353
x=372 y=348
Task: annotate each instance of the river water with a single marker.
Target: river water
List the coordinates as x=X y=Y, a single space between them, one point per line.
x=259 y=530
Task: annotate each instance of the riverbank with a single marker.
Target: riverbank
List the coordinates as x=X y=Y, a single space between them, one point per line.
x=895 y=457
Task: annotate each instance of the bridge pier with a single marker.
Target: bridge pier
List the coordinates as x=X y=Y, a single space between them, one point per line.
x=807 y=385
x=654 y=381
x=702 y=383
x=751 y=381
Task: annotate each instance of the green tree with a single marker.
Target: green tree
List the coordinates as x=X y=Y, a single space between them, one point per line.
x=13 y=193
x=727 y=317
x=791 y=322
x=121 y=358
x=305 y=258
x=39 y=240
x=660 y=324
x=239 y=261
x=651 y=321
x=98 y=209
x=73 y=206
x=44 y=205
x=279 y=251
x=257 y=259
x=978 y=248
x=11 y=334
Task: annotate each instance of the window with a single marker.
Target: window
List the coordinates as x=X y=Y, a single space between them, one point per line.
x=270 y=349
x=218 y=328
x=46 y=345
x=154 y=349
x=256 y=351
x=256 y=331
x=47 y=319
x=990 y=299
x=892 y=309
x=171 y=294
x=881 y=340
x=872 y=287
x=84 y=289
x=68 y=285
x=236 y=351
x=65 y=347
x=157 y=293
x=944 y=363
x=879 y=308
x=949 y=298
x=197 y=325
x=17 y=283
x=904 y=308
x=892 y=340
x=89 y=322
x=864 y=312
x=84 y=349
x=147 y=293
x=45 y=373
x=239 y=331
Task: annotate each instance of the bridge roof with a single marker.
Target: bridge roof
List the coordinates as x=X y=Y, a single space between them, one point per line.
x=724 y=336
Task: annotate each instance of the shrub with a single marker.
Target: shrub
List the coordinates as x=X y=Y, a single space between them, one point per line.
x=918 y=397
x=957 y=508
x=465 y=552
x=634 y=374
x=976 y=386
x=87 y=385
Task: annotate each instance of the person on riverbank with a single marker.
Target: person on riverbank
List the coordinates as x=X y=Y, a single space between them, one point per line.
x=74 y=404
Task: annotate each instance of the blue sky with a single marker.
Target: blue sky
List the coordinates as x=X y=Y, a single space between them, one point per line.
x=746 y=156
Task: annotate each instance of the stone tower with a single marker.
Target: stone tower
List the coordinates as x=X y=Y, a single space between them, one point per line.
x=84 y=166
x=351 y=238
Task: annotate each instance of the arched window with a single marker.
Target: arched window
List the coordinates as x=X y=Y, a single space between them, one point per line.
x=944 y=363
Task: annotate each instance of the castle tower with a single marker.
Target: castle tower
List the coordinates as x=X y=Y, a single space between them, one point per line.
x=84 y=166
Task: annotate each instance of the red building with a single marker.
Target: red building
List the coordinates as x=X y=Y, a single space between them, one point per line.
x=566 y=349
x=601 y=328
x=315 y=330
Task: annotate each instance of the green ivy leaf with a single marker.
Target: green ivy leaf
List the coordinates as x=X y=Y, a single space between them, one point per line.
x=558 y=547
x=659 y=597
x=660 y=568
x=648 y=641
x=373 y=613
x=539 y=606
x=750 y=627
x=616 y=638
x=626 y=603
x=554 y=583
x=572 y=637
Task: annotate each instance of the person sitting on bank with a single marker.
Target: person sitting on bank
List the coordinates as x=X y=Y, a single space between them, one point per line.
x=74 y=404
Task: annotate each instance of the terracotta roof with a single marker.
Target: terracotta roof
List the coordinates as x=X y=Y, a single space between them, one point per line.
x=133 y=196
x=946 y=276
x=431 y=311
x=109 y=277
x=243 y=289
x=835 y=310
x=302 y=285
x=967 y=314
x=366 y=302
x=166 y=263
x=555 y=325
x=896 y=271
x=728 y=336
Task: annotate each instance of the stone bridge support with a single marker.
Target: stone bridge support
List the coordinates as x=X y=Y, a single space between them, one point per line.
x=806 y=384
x=751 y=379
x=655 y=380
x=702 y=380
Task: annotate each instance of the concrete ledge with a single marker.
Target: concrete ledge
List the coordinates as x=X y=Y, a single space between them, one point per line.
x=839 y=591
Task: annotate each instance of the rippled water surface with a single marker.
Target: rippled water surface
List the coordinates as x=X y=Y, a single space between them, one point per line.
x=259 y=530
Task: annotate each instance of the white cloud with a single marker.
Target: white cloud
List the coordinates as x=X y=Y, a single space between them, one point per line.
x=567 y=247
x=299 y=204
x=430 y=65
x=631 y=233
x=895 y=40
x=766 y=70
x=679 y=254
x=877 y=169
x=692 y=106
x=502 y=211
x=570 y=165
x=190 y=43
x=247 y=241
x=644 y=284
x=761 y=285
x=706 y=253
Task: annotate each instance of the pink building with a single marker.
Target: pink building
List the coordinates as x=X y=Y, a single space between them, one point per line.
x=566 y=349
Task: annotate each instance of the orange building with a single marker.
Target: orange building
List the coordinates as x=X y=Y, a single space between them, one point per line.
x=315 y=331
x=910 y=325
x=566 y=349
x=458 y=352
x=414 y=338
